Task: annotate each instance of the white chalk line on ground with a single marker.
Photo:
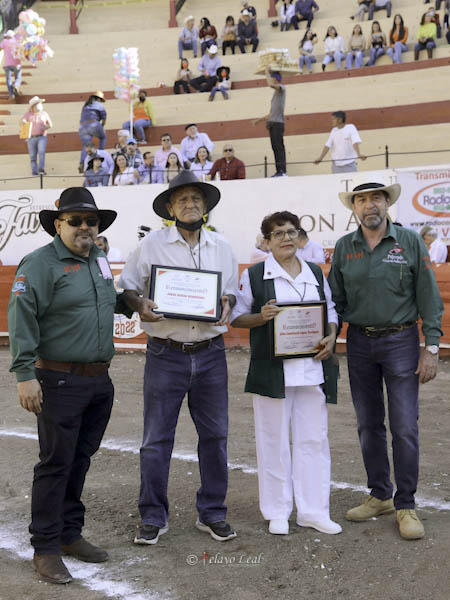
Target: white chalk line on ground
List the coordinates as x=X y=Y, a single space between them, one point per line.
x=130 y=446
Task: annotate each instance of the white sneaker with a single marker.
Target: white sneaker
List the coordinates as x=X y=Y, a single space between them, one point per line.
x=279 y=526
x=325 y=526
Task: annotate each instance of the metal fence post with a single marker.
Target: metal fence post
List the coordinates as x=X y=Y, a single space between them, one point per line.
x=41 y=177
x=265 y=166
x=172 y=14
x=386 y=156
x=73 y=27
x=272 y=12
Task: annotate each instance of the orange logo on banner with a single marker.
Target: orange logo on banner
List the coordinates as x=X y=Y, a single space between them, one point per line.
x=440 y=198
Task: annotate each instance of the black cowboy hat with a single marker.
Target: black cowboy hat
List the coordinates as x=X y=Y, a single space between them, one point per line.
x=75 y=199
x=90 y=164
x=185 y=177
x=220 y=69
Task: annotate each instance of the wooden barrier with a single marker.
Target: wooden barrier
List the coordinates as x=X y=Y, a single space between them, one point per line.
x=125 y=338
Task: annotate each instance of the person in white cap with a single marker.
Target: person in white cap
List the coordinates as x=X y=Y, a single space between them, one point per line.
x=11 y=64
x=37 y=140
x=188 y=37
x=381 y=279
x=207 y=66
x=250 y=9
x=247 y=32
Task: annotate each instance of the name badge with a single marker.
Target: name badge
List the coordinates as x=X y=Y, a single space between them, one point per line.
x=104 y=267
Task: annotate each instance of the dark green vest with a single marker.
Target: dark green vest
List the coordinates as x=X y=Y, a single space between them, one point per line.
x=266 y=376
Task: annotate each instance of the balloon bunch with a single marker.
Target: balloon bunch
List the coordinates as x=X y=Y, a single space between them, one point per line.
x=31 y=45
x=126 y=73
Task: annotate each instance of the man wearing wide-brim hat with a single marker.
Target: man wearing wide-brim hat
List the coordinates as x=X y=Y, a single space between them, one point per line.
x=60 y=319
x=382 y=281
x=40 y=123
x=208 y=65
x=184 y=356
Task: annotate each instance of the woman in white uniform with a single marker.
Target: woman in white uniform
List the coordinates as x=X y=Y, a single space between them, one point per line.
x=288 y=394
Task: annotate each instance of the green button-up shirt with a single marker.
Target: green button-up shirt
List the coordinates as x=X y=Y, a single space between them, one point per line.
x=61 y=309
x=392 y=284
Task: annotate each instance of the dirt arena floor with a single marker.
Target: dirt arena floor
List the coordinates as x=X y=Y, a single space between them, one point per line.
x=368 y=560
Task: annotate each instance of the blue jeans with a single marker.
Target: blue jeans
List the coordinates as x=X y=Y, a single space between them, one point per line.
x=373 y=9
x=219 y=88
x=358 y=56
x=396 y=52
x=169 y=375
x=139 y=127
x=393 y=358
x=337 y=57
x=17 y=78
x=374 y=54
x=186 y=46
x=36 y=148
x=307 y=60
x=89 y=131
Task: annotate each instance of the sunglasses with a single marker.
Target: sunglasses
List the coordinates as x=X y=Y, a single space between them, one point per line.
x=228 y=149
x=76 y=221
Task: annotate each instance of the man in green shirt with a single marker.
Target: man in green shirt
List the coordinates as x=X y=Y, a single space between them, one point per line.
x=60 y=320
x=382 y=280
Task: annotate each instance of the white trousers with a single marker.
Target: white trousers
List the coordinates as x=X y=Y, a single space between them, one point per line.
x=304 y=474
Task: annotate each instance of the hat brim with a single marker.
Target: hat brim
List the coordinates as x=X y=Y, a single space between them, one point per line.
x=392 y=190
x=47 y=218
x=211 y=193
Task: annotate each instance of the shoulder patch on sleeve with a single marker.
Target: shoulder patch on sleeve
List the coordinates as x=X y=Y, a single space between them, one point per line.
x=20 y=285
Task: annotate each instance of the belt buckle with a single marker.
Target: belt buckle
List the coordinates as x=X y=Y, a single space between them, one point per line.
x=187 y=346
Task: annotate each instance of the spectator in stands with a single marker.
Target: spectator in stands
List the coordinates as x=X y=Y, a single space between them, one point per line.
x=356 y=48
x=377 y=44
x=112 y=254
x=188 y=37
x=436 y=248
x=344 y=142
x=207 y=66
x=275 y=121
x=250 y=9
x=147 y=172
x=229 y=35
x=134 y=156
x=376 y=5
x=223 y=83
x=91 y=151
x=435 y=19
x=304 y=11
x=334 y=48
x=363 y=8
x=446 y=24
x=309 y=250
x=202 y=163
x=37 y=142
x=121 y=146
x=247 y=32
x=183 y=78
x=96 y=175
x=426 y=37
x=306 y=49
x=192 y=142
x=207 y=34
x=92 y=123
x=11 y=64
x=173 y=167
x=143 y=117
x=166 y=148
x=287 y=12
x=397 y=40
x=228 y=167
x=261 y=251
x=122 y=174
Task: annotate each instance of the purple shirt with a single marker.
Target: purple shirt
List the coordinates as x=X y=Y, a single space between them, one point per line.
x=305 y=6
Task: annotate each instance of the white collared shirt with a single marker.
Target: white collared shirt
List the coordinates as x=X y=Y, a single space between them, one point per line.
x=297 y=371
x=438 y=251
x=313 y=252
x=167 y=247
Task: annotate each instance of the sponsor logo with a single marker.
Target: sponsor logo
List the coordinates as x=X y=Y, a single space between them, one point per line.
x=433 y=200
x=395 y=256
x=17 y=218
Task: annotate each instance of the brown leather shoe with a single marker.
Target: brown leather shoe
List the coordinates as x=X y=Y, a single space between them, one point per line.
x=51 y=568
x=85 y=551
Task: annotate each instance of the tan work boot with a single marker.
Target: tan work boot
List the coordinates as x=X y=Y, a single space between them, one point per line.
x=372 y=507
x=409 y=524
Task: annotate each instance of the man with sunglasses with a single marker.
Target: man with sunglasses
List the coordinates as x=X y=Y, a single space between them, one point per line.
x=228 y=167
x=162 y=153
x=60 y=321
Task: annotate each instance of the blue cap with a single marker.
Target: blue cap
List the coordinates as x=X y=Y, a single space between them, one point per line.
x=131 y=141
x=276 y=75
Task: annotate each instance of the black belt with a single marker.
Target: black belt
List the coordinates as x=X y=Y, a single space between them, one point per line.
x=86 y=369
x=188 y=347
x=377 y=332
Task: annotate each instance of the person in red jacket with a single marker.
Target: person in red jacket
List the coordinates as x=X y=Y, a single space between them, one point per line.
x=228 y=167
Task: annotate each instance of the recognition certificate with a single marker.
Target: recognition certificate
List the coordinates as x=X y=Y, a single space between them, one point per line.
x=190 y=294
x=297 y=329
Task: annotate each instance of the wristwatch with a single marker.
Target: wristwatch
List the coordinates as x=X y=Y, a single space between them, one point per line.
x=432 y=349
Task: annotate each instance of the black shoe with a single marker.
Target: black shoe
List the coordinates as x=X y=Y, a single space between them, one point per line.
x=149 y=534
x=220 y=531
x=324 y=67
x=42 y=172
x=85 y=551
x=51 y=568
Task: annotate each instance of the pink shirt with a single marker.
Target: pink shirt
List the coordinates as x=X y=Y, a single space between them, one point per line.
x=8 y=46
x=161 y=156
x=39 y=120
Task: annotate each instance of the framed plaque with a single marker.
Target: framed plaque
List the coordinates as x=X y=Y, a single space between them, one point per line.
x=297 y=329
x=190 y=294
